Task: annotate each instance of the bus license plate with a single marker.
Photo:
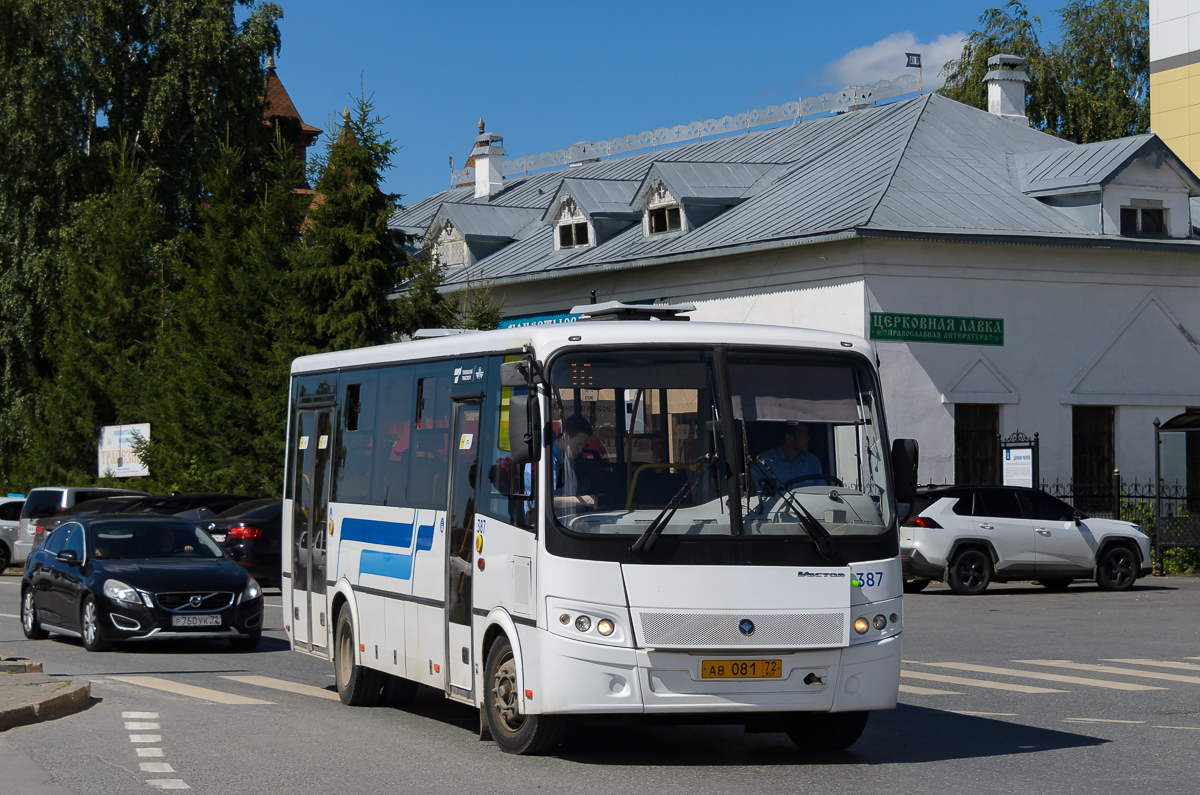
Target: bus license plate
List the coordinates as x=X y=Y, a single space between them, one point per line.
x=741 y=669
x=195 y=621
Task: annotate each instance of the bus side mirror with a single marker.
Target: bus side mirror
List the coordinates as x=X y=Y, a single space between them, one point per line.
x=904 y=468
x=514 y=373
x=524 y=423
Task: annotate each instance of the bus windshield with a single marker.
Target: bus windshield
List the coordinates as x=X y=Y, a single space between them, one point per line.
x=640 y=440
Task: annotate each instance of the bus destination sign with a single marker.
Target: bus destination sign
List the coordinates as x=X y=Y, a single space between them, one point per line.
x=897 y=327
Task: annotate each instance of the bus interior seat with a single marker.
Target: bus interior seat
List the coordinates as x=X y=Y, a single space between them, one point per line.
x=655 y=486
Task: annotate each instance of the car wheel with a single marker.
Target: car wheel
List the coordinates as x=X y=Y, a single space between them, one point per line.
x=5 y=558
x=90 y=621
x=513 y=731
x=917 y=585
x=358 y=686
x=29 y=623
x=970 y=573
x=1057 y=584
x=1117 y=569
x=835 y=731
x=247 y=642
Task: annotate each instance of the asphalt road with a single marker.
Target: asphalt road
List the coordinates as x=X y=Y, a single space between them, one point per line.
x=1017 y=690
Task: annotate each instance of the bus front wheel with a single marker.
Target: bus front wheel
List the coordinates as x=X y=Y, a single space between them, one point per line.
x=513 y=731
x=357 y=685
x=830 y=731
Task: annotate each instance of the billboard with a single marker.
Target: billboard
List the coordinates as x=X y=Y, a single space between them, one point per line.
x=116 y=453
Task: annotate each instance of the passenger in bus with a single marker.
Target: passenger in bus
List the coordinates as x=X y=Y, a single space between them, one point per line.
x=790 y=460
x=567 y=448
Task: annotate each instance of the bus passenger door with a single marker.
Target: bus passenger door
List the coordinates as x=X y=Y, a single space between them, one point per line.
x=310 y=527
x=460 y=547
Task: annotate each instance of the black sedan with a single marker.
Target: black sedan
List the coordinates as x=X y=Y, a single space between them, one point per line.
x=126 y=577
x=255 y=528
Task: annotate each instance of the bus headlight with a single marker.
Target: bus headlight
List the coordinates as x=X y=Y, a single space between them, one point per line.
x=583 y=623
x=880 y=622
x=605 y=627
x=589 y=622
x=861 y=625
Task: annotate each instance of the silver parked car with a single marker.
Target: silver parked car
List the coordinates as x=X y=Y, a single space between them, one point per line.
x=971 y=536
x=46 y=501
x=10 y=520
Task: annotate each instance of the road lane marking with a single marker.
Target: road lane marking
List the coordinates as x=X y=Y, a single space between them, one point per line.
x=156 y=767
x=1112 y=669
x=986 y=714
x=149 y=752
x=181 y=689
x=1185 y=728
x=959 y=680
x=1100 y=720
x=134 y=725
x=1074 y=680
x=140 y=715
x=168 y=783
x=1160 y=664
x=925 y=691
x=145 y=738
x=9 y=615
x=282 y=684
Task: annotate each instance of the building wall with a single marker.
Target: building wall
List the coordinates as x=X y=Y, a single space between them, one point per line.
x=1175 y=77
x=1082 y=326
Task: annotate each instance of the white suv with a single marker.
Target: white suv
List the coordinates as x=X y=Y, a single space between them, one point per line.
x=969 y=536
x=46 y=501
x=10 y=519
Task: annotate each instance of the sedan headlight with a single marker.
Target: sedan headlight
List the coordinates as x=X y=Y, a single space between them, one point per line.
x=253 y=591
x=120 y=592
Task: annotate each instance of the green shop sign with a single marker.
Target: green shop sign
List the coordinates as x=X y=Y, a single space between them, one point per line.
x=896 y=327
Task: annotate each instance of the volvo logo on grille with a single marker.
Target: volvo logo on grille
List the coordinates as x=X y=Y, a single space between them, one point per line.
x=746 y=627
x=195 y=600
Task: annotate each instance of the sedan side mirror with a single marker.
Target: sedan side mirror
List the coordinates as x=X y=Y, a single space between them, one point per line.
x=68 y=556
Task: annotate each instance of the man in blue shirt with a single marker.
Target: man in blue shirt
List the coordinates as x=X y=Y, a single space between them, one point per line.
x=791 y=459
x=573 y=437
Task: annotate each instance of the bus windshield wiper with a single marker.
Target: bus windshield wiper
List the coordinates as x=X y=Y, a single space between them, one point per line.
x=650 y=535
x=810 y=523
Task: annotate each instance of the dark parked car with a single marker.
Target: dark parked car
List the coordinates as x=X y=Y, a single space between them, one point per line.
x=256 y=528
x=198 y=507
x=122 y=577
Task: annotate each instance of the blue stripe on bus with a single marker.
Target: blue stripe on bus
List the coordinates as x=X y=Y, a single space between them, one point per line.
x=393 y=534
x=370 y=531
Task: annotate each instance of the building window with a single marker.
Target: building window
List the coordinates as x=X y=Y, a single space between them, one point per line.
x=1092 y=457
x=665 y=219
x=1143 y=222
x=976 y=444
x=573 y=235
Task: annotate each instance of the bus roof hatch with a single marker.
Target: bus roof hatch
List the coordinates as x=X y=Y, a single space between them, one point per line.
x=615 y=310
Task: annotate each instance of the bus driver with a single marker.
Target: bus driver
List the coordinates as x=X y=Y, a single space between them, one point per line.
x=791 y=459
x=572 y=438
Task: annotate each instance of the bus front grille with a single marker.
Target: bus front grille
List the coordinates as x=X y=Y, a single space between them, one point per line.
x=766 y=630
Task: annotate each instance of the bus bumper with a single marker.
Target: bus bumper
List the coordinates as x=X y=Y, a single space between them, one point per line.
x=586 y=678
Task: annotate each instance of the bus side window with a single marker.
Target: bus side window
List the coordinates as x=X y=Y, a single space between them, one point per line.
x=356 y=446
x=501 y=493
x=429 y=467
x=393 y=435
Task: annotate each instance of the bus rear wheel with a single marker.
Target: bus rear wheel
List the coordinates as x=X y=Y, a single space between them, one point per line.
x=358 y=686
x=514 y=732
x=831 y=731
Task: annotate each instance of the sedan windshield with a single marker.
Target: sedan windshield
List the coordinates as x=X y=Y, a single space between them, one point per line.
x=133 y=540
x=640 y=444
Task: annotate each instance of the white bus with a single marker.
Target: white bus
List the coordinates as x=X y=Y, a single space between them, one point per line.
x=629 y=517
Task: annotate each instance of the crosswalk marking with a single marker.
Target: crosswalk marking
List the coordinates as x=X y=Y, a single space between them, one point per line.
x=281 y=684
x=1160 y=664
x=1112 y=669
x=185 y=690
x=168 y=783
x=145 y=738
x=150 y=752
x=959 y=680
x=156 y=767
x=140 y=715
x=926 y=691
x=1100 y=720
x=1075 y=680
x=136 y=726
x=1185 y=728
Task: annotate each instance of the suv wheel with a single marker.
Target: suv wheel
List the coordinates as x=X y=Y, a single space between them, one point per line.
x=970 y=572
x=1117 y=569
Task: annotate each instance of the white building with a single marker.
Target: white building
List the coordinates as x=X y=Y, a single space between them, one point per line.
x=1056 y=286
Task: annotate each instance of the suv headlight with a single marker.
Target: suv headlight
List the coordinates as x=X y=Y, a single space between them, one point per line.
x=253 y=591
x=120 y=592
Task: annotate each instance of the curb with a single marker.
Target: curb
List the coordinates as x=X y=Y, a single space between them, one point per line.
x=29 y=696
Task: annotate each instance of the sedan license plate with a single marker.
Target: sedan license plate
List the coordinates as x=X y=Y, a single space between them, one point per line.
x=195 y=621
x=741 y=669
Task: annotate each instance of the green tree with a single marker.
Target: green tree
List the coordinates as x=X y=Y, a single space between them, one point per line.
x=1092 y=86
x=345 y=269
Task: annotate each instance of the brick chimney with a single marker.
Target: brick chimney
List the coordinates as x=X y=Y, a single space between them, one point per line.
x=1006 y=81
x=489 y=167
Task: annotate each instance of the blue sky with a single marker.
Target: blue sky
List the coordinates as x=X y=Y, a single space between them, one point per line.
x=546 y=75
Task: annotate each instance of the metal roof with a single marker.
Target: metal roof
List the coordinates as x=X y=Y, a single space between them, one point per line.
x=927 y=166
x=481 y=220
x=597 y=198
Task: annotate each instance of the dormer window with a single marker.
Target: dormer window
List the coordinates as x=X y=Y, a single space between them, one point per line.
x=665 y=219
x=1143 y=221
x=450 y=247
x=573 y=235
